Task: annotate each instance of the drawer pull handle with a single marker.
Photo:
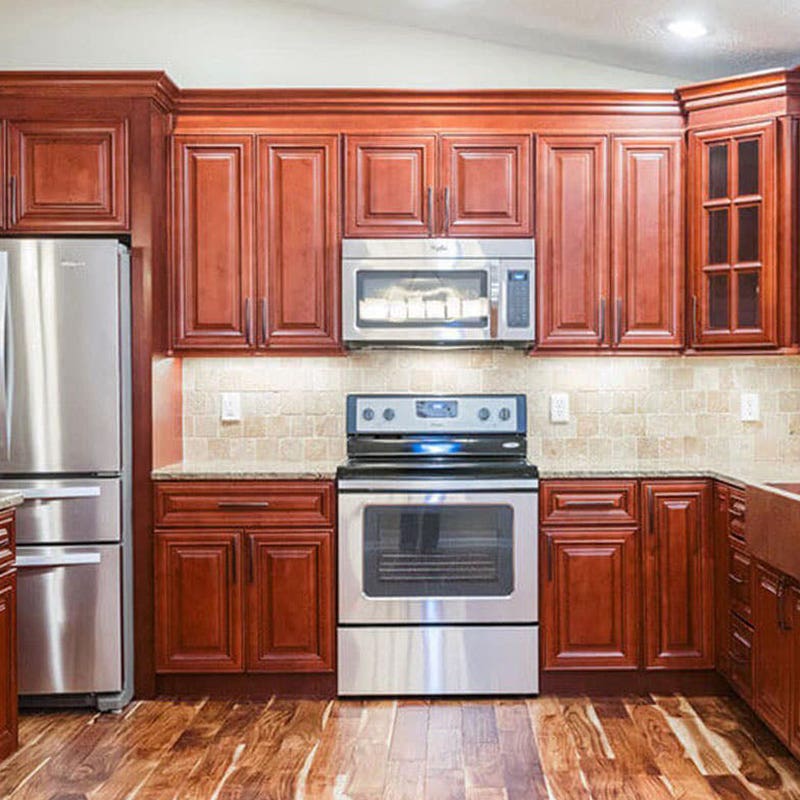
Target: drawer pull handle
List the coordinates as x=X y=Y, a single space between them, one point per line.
x=243 y=505
x=589 y=504
x=742 y=641
x=738 y=659
x=735 y=578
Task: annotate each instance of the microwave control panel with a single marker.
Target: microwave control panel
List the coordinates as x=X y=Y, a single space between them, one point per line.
x=518 y=294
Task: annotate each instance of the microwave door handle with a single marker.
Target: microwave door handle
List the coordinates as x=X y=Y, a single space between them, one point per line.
x=494 y=299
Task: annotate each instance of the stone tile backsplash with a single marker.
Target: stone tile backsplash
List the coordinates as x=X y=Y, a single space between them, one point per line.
x=622 y=408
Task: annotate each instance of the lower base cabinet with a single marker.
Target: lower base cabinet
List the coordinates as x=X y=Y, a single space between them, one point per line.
x=289 y=602
x=590 y=599
x=8 y=662
x=199 y=601
x=250 y=587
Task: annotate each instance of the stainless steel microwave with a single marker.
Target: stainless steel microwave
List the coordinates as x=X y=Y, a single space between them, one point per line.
x=438 y=292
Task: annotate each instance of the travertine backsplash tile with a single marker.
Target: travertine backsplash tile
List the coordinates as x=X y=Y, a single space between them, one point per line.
x=621 y=408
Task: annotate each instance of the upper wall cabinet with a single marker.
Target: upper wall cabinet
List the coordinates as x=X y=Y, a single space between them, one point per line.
x=66 y=176
x=445 y=185
x=610 y=281
x=733 y=236
x=255 y=237
x=212 y=250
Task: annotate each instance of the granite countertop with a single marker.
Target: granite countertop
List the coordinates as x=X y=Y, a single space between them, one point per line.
x=738 y=474
x=10 y=498
x=244 y=471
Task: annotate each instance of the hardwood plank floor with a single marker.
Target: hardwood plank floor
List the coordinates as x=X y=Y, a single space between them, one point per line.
x=549 y=747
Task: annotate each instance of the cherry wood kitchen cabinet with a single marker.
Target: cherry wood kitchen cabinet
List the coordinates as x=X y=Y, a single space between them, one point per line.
x=8 y=636
x=647 y=262
x=733 y=236
x=390 y=183
x=488 y=181
x=244 y=578
x=67 y=176
x=478 y=184
x=572 y=196
x=298 y=243
x=590 y=598
x=199 y=601
x=678 y=575
x=290 y=620
x=212 y=242
x=773 y=649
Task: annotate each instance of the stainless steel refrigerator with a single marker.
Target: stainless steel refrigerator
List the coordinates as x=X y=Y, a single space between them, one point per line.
x=65 y=443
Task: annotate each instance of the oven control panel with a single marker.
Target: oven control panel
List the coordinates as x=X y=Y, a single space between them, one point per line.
x=443 y=414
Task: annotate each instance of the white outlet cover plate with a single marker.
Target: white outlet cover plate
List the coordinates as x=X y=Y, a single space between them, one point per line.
x=750 y=407
x=231 y=410
x=559 y=407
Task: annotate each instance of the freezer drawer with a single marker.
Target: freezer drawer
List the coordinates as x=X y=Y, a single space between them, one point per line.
x=69 y=620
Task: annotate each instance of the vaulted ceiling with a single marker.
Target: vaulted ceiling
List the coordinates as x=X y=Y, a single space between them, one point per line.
x=743 y=35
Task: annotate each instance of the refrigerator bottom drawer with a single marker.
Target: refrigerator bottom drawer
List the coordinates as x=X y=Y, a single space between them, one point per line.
x=69 y=611
x=439 y=660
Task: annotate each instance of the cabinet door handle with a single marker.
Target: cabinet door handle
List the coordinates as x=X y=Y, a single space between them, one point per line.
x=234 y=558
x=12 y=188
x=252 y=559
x=694 y=319
x=248 y=323
x=618 y=321
x=779 y=602
x=651 y=512
x=263 y=309
x=549 y=560
x=446 y=211
x=242 y=505
x=601 y=320
x=735 y=579
x=430 y=210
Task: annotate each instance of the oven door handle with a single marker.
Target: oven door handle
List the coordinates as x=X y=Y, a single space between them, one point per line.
x=432 y=487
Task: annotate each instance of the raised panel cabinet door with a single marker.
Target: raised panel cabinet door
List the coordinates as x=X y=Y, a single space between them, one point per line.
x=772 y=647
x=8 y=663
x=198 y=605
x=212 y=242
x=678 y=576
x=590 y=599
x=572 y=241
x=68 y=175
x=733 y=233
x=487 y=185
x=647 y=242
x=298 y=243
x=389 y=185
x=290 y=603
x=794 y=736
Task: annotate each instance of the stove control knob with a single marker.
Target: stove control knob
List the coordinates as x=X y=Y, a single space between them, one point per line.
x=388 y=414
x=368 y=414
x=504 y=414
x=484 y=414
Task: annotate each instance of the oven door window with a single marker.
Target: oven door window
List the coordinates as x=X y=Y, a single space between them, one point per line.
x=422 y=299
x=438 y=551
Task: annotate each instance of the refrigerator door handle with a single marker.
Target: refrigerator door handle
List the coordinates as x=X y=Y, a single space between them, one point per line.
x=61 y=493
x=63 y=560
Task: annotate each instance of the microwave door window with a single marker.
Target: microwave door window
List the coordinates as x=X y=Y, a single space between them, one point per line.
x=422 y=299
x=441 y=551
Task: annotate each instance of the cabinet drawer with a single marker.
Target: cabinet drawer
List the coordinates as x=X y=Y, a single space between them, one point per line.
x=240 y=504
x=589 y=502
x=740 y=580
x=736 y=513
x=6 y=540
x=740 y=656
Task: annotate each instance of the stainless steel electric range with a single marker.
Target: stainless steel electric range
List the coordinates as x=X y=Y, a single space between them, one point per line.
x=438 y=515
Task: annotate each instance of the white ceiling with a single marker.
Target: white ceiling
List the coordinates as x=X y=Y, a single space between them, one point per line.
x=744 y=35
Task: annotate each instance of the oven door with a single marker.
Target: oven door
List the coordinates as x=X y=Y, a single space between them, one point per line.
x=438 y=557
x=418 y=300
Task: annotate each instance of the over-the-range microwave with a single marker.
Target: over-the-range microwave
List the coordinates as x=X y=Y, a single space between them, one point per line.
x=425 y=292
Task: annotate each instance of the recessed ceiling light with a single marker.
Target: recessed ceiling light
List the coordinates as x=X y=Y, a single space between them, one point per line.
x=687 y=28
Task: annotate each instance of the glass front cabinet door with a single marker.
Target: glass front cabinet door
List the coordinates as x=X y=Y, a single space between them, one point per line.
x=733 y=237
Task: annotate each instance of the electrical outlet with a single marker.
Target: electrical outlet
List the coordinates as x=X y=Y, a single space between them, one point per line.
x=231 y=410
x=559 y=407
x=750 y=409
